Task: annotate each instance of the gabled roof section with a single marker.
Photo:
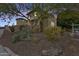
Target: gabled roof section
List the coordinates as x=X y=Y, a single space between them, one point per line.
x=30 y=12
x=20 y=19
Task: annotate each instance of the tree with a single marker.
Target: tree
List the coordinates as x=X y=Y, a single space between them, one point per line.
x=16 y=9
x=55 y=9
x=42 y=9
x=12 y=10
x=66 y=18
x=41 y=15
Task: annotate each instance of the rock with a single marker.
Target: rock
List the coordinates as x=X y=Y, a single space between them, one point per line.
x=52 y=52
x=44 y=52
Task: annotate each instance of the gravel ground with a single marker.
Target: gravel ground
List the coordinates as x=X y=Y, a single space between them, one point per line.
x=29 y=48
x=63 y=47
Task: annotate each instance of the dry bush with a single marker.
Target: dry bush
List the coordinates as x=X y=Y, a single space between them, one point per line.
x=53 y=33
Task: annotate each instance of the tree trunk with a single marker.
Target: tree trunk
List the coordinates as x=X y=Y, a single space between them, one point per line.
x=41 y=26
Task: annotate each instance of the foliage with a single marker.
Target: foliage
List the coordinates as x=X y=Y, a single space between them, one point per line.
x=6 y=8
x=41 y=15
x=42 y=9
x=53 y=33
x=21 y=35
x=35 y=29
x=66 y=18
x=16 y=8
x=12 y=28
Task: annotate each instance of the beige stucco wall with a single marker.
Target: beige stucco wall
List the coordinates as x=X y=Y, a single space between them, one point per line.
x=21 y=22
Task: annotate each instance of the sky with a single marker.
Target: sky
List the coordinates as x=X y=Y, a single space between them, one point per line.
x=13 y=20
x=3 y=23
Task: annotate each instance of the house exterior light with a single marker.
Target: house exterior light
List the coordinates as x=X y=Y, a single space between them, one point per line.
x=35 y=14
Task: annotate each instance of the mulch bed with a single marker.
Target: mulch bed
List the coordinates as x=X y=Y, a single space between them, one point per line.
x=34 y=48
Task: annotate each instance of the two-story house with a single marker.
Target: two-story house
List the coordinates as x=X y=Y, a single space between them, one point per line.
x=50 y=21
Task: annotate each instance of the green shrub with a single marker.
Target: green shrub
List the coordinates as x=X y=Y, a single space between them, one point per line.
x=53 y=33
x=66 y=18
x=21 y=35
x=15 y=38
x=35 y=29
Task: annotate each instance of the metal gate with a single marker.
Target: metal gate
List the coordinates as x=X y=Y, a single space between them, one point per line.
x=75 y=29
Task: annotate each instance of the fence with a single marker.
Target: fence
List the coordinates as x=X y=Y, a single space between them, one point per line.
x=75 y=28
